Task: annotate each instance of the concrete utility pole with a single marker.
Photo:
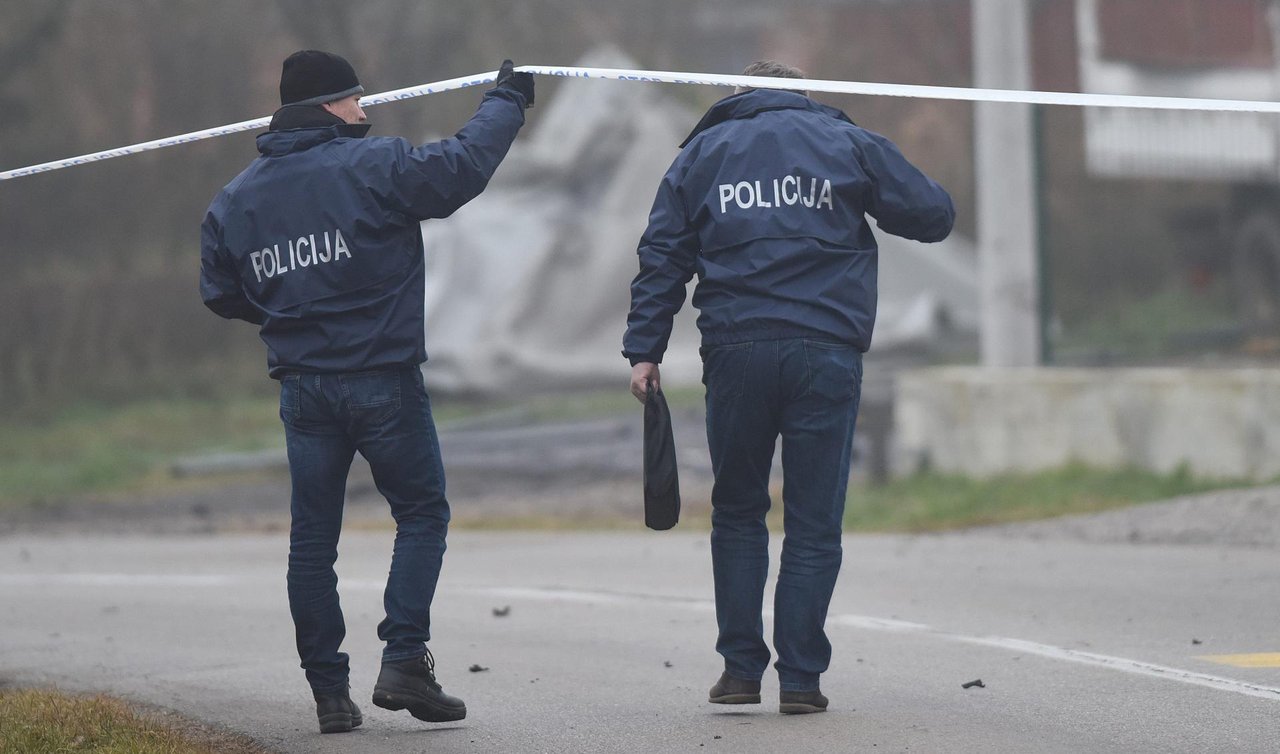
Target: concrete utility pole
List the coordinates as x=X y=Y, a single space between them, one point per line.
x=1004 y=153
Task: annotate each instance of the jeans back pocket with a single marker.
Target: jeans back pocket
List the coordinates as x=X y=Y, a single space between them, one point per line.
x=724 y=370
x=835 y=370
x=373 y=396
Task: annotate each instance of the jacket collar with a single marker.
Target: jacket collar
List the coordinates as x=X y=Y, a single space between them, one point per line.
x=752 y=102
x=295 y=128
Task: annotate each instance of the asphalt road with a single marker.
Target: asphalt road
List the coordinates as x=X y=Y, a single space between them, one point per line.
x=608 y=645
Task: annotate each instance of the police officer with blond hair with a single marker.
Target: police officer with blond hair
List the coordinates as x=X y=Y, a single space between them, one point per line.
x=769 y=203
x=319 y=243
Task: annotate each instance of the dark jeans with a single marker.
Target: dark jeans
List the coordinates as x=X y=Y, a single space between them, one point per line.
x=806 y=391
x=386 y=415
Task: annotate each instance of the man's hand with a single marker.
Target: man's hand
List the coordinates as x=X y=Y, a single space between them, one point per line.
x=643 y=375
x=520 y=82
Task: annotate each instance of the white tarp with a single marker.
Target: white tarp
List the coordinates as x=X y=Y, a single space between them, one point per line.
x=528 y=286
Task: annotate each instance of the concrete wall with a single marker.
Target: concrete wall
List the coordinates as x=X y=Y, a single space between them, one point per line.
x=1220 y=422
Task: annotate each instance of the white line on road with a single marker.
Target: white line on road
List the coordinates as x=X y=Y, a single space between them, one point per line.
x=891 y=625
x=115 y=579
x=1109 y=662
x=581 y=596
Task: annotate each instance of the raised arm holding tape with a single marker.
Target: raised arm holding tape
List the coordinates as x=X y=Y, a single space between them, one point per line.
x=520 y=82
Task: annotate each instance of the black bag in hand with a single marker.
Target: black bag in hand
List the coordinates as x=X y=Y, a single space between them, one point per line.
x=661 y=481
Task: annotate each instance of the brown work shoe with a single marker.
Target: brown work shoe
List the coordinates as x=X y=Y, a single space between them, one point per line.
x=801 y=702
x=730 y=690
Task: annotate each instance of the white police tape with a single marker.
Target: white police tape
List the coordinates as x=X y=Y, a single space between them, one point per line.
x=912 y=90
x=246 y=125
x=1009 y=96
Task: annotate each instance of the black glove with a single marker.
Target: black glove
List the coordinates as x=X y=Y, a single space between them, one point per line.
x=519 y=82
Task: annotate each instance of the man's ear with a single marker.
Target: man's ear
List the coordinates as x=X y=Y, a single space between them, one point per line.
x=328 y=108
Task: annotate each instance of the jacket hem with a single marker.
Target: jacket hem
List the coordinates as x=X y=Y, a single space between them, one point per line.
x=710 y=339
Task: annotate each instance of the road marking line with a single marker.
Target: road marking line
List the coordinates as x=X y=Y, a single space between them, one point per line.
x=891 y=625
x=1254 y=660
x=115 y=579
x=586 y=596
x=1110 y=662
x=558 y=594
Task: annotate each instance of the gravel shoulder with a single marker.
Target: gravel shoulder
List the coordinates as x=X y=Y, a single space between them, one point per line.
x=1233 y=518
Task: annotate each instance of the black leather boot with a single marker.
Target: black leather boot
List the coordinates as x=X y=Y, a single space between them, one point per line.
x=411 y=685
x=337 y=713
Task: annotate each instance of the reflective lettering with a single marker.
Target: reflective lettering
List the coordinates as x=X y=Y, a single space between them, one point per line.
x=268 y=256
x=788 y=191
x=825 y=196
x=255 y=258
x=760 y=202
x=726 y=193
x=795 y=190
x=339 y=246
x=304 y=260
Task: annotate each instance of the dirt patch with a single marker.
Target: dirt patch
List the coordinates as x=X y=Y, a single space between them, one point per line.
x=216 y=739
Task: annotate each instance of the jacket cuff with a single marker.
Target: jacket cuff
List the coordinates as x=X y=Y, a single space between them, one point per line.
x=509 y=93
x=652 y=358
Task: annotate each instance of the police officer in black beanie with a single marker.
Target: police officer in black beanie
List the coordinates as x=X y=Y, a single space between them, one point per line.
x=312 y=77
x=319 y=243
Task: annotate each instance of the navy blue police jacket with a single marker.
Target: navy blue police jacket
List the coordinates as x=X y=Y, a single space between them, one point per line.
x=318 y=241
x=768 y=204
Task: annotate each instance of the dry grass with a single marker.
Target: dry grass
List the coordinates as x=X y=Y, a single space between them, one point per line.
x=40 y=721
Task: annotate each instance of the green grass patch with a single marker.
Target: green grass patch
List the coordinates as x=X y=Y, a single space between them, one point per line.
x=94 y=449
x=44 y=722
x=933 y=502
x=1166 y=323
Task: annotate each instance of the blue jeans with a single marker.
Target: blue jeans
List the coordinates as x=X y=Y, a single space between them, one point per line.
x=807 y=391
x=386 y=416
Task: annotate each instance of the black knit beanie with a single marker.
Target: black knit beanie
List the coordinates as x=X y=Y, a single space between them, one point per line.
x=312 y=77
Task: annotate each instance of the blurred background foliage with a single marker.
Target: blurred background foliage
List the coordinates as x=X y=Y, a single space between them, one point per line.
x=98 y=296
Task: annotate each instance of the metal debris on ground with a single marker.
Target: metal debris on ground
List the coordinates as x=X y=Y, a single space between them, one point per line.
x=502 y=612
x=477 y=669
x=971 y=684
